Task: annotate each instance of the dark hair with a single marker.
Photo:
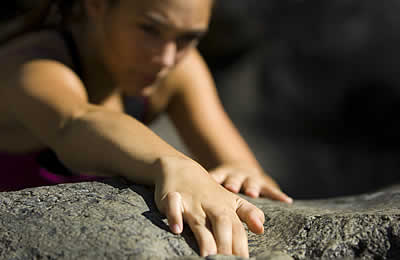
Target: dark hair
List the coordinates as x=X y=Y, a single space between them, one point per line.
x=23 y=16
x=22 y=19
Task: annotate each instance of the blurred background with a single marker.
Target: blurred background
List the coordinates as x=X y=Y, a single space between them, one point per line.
x=314 y=88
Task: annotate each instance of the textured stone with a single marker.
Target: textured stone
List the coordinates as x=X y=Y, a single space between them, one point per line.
x=118 y=221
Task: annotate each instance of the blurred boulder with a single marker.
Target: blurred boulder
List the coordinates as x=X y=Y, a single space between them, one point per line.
x=314 y=88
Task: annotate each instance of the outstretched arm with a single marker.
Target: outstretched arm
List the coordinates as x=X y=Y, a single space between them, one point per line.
x=50 y=101
x=198 y=115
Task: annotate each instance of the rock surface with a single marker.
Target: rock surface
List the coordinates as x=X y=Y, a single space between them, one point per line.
x=118 y=221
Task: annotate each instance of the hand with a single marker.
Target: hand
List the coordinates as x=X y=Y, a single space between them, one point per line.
x=252 y=181
x=187 y=192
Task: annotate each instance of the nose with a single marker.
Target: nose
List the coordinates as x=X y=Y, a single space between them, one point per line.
x=167 y=55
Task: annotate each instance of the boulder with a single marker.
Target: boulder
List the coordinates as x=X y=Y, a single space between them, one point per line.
x=313 y=86
x=117 y=220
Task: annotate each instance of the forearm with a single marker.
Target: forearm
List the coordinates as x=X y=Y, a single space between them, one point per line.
x=114 y=144
x=231 y=150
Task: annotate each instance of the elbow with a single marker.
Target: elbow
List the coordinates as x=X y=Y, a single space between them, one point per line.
x=71 y=143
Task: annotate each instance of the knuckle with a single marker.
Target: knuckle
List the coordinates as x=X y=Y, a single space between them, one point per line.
x=238 y=227
x=197 y=220
x=241 y=202
x=223 y=218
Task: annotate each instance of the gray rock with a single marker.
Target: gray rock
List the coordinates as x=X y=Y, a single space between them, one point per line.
x=114 y=220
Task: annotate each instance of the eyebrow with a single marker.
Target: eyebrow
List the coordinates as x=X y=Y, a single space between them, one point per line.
x=161 y=21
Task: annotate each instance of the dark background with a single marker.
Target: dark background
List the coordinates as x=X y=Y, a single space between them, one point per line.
x=314 y=88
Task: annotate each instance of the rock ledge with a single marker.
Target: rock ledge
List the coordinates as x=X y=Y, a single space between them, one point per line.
x=114 y=220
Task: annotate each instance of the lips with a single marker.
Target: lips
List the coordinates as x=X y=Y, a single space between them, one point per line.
x=150 y=78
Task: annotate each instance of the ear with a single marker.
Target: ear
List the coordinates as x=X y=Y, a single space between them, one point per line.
x=96 y=9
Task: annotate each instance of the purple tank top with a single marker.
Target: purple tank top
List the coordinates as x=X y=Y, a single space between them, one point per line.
x=20 y=171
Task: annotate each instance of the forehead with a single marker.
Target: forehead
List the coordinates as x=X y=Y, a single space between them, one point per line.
x=177 y=13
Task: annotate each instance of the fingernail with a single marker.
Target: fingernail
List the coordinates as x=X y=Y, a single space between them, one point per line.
x=232 y=188
x=252 y=193
x=176 y=228
x=260 y=224
x=211 y=252
x=289 y=200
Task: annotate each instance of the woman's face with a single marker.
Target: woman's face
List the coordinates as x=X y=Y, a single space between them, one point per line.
x=140 y=41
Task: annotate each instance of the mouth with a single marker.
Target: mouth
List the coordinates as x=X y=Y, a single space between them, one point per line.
x=145 y=79
x=150 y=78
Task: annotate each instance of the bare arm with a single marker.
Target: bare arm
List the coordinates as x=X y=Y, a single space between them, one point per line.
x=211 y=136
x=50 y=101
x=216 y=140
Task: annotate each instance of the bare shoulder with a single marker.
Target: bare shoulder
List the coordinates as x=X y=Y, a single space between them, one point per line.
x=45 y=45
x=41 y=45
x=35 y=74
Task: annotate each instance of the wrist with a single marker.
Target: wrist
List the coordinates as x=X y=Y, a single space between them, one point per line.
x=166 y=167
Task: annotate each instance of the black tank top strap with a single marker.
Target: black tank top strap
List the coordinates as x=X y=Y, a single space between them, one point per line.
x=73 y=51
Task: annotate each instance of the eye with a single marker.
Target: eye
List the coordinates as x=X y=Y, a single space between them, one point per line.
x=149 y=29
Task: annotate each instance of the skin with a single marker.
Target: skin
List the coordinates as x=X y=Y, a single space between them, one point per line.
x=138 y=48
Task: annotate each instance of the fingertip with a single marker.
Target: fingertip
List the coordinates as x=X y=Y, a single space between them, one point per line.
x=252 y=193
x=176 y=228
x=277 y=194
x=256 y=223
x=284 y=198
x=174 y=212
x=209 y=251
x=232 y=188
x=258 y=220
x=288 y=200
x=258 y=227
x=206 y=253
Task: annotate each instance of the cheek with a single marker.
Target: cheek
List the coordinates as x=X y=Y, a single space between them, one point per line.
x=135 y=48
x=121 y=51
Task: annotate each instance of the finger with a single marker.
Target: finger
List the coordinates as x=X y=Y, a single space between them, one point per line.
x=251 y=188
x=275 y=194
x=222 y=229
x=234 y=183
x=174 y=212
x=251 y=215
x=203 y=235
x=240 y=244
x=219 y=175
